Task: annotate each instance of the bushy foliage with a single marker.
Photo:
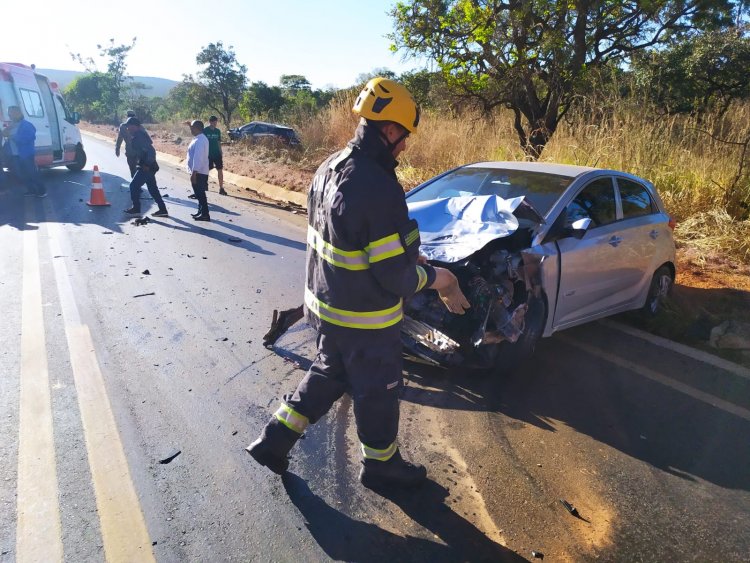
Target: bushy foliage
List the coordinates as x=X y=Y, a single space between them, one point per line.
x=699 y=73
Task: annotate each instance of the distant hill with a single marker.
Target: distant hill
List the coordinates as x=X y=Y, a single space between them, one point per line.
x=154 y=86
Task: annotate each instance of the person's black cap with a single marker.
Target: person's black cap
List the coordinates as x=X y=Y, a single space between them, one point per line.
x=197 y=123
x=132 y=121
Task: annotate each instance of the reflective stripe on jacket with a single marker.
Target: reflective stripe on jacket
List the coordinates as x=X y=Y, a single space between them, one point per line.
x=362 y=248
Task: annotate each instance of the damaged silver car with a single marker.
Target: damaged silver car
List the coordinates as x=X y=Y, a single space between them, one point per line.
x=537 y=248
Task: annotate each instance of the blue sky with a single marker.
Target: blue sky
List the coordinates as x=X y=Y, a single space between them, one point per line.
x=330 y=42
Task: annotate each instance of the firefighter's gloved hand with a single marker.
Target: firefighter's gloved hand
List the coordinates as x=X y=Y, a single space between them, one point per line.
x=117 y=152
x=449 y=291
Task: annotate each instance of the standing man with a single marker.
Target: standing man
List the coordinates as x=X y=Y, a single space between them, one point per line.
x=21 y=137
x=124 y=136
x=146 y=168
x=362 y=262
x=213 y=134
x=197 y=165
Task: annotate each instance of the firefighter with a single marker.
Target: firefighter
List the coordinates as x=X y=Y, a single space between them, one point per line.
x=362 y=262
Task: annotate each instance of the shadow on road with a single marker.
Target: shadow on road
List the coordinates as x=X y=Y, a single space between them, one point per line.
x=669 y=429
x=346 y=539
x=642 y=418
x=68 y=193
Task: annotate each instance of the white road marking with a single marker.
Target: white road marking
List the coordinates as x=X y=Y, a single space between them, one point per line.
x=699 y=355
x=659 y=378
x=38 y=528
x=124 y=531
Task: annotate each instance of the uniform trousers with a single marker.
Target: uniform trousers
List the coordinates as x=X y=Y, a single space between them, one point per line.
x=368 y=365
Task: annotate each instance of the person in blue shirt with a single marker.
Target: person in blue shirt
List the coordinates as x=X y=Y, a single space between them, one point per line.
x=21 y=136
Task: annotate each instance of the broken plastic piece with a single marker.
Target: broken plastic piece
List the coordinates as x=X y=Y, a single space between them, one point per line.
x=280 y=323
x=569 y=507
x=537 y=555
x=170 y=457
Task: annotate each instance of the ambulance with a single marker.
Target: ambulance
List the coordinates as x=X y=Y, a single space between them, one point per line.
x=58 y=140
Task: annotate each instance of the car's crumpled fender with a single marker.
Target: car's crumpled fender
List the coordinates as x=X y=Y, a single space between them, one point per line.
x=455 y=228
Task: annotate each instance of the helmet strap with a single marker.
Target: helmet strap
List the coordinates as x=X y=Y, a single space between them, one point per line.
x=392 y=145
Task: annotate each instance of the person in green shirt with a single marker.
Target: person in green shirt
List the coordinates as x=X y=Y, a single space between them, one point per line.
x=214 y=150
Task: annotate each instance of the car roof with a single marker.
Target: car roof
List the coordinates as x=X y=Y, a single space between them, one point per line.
x=569 y=170
x=266 y=123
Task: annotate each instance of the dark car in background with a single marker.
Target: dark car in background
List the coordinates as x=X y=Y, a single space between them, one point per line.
x=260 y=131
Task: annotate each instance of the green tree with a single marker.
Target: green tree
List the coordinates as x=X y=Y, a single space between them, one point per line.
x=85 y=94
x=262 y=101
x=222 y=82
x=698 y=73
x=183 y=101
x=293 y=83
x=113 y=83
x=365 y=77
x=532 y=56
x=428 y=88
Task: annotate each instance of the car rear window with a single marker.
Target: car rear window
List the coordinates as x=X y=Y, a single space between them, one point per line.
x=636 y=200
x=542 y=190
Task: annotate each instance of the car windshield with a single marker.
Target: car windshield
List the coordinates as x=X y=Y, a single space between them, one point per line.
x=541 y=189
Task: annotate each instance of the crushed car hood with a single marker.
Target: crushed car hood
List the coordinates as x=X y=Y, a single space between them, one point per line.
x=454 y=228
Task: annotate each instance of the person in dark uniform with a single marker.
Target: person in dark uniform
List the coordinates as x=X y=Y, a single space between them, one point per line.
x=146 y=168
x=362 y=262
x=124 y=137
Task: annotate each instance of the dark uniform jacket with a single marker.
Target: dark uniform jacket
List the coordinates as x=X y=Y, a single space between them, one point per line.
x=123 y=136
x=143 y=150
x=362 y=248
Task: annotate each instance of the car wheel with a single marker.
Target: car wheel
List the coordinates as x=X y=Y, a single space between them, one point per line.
x=658 y=292
x=509 y=355
x=80 y=160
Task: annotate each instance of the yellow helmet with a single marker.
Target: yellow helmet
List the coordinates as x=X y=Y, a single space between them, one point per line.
x=385 y=100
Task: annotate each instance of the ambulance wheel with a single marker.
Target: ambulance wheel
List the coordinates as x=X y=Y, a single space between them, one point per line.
x=80 y=160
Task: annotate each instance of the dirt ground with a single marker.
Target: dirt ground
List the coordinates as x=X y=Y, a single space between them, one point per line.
x=707 y=291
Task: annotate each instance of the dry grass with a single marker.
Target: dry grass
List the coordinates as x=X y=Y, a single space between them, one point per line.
x=692 y=162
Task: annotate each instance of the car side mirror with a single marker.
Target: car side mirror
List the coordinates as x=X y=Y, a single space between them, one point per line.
x=579 y=227
x=75 y=117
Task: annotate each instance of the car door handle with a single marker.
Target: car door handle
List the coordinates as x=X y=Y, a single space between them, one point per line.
x=654 y=234
x=614 y=241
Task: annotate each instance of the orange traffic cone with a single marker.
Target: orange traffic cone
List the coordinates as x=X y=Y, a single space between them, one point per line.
x=97 y=191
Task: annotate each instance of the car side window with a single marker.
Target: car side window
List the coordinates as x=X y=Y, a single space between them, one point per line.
x=596 y=202
x=636 y=200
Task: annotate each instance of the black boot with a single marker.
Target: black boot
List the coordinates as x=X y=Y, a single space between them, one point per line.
x=396 y=472
x=273 y=445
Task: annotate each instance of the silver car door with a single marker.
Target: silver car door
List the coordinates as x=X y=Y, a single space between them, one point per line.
x=593 y=269
x=647 y=238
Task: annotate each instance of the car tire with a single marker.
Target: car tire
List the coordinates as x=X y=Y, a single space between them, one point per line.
x=510 y=355
x=80 y=160
x=658 y=291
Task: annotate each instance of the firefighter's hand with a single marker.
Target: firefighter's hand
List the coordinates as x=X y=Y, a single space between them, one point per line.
x=117 y=152
x=421 y=259
x=449 y=291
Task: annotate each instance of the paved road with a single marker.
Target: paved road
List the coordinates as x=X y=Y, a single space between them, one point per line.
x=106 y=371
